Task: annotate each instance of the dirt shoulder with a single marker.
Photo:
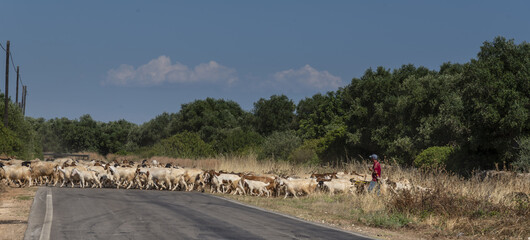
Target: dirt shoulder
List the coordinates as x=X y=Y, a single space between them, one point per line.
x=15 y=205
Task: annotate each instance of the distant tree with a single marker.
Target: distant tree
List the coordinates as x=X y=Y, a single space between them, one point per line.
x=113 y=136
x=182 y=145
x=496 y=99
x=151 y=132
x=236 y=141
x=279 y=145
x=400 y=113
x=19 y=137
x=315 y=115
x=274 y=114
x=10 y=145
x=209 y=117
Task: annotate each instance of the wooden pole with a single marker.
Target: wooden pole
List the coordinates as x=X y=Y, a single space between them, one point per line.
x=22 y=98
x=6 y=102
x=25 y=94
x=18 y=77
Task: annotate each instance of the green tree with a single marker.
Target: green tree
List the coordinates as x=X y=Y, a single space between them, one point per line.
x=236 y=141
x=279 y=145
x=182 y=145
x=9 y=143
x=20 y=138
x=113 y=136
x=496 y=99
x=274 y=114
x=315 y=115
x=151 y=132
x=209 y=117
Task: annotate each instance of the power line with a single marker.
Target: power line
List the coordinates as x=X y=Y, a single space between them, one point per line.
x=12 y=61
x=10 y=56
x=19 y=78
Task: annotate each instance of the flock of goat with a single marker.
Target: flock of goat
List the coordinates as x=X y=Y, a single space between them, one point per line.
x=152 y=175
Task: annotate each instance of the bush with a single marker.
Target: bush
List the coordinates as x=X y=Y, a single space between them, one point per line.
x=279 y=145
x=307 y=153
x=522 y=163
x=433 y=157
x=182 y=145
x=19 y=139
x=9 y=143
x=236 y=141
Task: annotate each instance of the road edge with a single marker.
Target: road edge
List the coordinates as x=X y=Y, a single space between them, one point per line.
x=36 y=215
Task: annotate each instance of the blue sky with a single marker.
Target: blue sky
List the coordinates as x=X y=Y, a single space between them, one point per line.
x=134 y=60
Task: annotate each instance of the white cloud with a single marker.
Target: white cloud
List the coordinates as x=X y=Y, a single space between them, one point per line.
x=309 y=77
x=160 y=70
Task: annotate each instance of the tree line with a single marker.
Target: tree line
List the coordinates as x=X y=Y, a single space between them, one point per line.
x=460 y=117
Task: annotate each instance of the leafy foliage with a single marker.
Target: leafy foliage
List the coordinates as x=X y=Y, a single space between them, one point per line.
x=496 y=98
x=433 y=157
x=279 y=145
x=113 y=135
x=236 y=141
x=19 y=137
x=522 y=162
x=182 y=145
x=208 y=117
x=306 y=153
x=274 y=114
x=9 y=143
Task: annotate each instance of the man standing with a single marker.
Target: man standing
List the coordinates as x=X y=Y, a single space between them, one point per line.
x=376 y=174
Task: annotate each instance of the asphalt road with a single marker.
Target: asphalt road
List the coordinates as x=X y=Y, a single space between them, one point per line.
x=135 y=214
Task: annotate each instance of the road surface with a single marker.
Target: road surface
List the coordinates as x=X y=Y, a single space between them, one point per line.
x=74 y=213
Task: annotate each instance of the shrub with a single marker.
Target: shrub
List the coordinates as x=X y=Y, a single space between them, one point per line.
x=433 y=157
x=182 y=145
x=236 y=141
x=306 y=153
x=279 y=145
x=9 y=143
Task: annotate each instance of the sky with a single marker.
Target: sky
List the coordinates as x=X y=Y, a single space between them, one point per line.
x=134 y=60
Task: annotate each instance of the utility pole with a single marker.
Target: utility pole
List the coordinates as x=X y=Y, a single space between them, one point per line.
x=25 y=94
x=22 y=98
x=6 y=102
x=17 y=85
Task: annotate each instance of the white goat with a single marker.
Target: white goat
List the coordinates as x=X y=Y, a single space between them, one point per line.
x=257 y=185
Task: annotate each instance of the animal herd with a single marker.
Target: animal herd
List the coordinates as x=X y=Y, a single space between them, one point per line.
x=153 y=175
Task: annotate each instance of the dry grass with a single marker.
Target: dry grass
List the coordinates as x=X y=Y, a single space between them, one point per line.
x=15 y=205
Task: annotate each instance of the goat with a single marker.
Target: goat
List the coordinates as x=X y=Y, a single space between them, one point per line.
x=295 y=186
x=123 y=175
x=86 y=176
x=19 y=174
x=337 y=185
x=257 y=185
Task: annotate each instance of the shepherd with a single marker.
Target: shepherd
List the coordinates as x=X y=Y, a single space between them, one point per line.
x=376 y=174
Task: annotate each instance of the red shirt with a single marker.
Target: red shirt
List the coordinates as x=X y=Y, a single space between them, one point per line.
x=377 y=171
